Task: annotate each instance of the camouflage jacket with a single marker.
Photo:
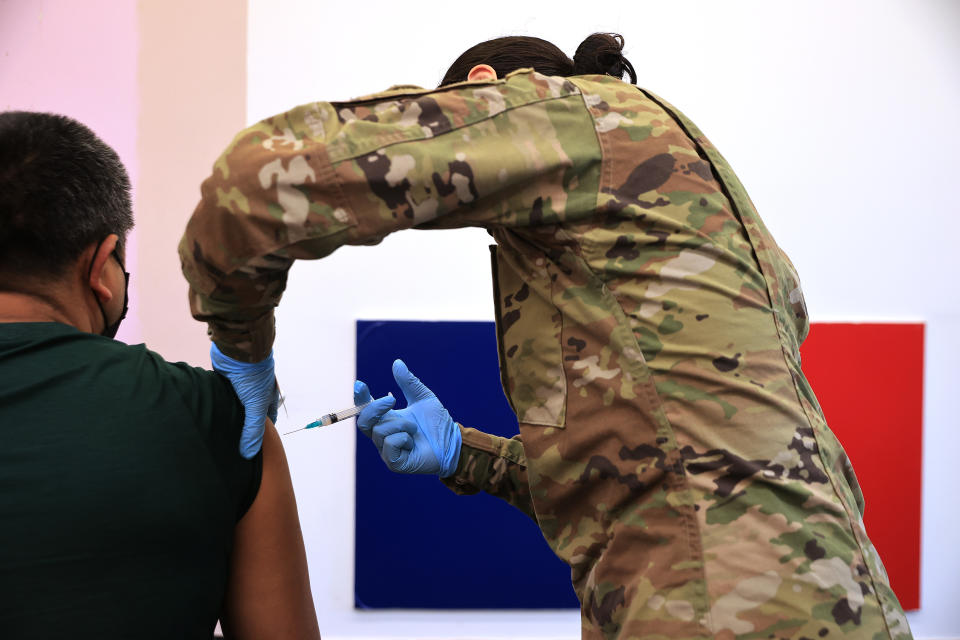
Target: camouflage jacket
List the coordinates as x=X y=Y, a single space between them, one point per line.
x=671 y=448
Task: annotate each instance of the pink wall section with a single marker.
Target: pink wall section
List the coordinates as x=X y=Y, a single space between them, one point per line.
x=78 y=59
x=192 y=70
x=167 y=93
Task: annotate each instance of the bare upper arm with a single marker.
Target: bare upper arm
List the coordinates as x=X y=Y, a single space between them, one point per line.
x=268 y=594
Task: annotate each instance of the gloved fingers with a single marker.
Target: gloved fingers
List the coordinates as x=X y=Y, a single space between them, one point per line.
x=391 y=423
x=411 y=386
x=256 y=387
x=361 y=393
x=396 y=449
x=251 y=438
x=274 y=402
x=371 y=414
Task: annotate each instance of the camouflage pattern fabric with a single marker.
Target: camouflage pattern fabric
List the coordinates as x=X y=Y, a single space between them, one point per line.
x=670 y=447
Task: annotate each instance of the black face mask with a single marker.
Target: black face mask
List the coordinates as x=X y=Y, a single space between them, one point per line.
x=110 y=330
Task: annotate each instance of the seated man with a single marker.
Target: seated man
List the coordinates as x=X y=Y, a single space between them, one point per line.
x=125 y=506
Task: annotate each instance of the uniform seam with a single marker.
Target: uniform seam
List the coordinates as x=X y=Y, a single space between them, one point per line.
x=379 y=145
x=606 y=168
x=676 y=468
x=691 y=530
x=563 y=367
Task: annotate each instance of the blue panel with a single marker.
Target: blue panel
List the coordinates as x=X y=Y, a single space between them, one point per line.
x=419 y=545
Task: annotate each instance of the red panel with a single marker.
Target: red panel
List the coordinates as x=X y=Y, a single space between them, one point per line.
x=869 y=381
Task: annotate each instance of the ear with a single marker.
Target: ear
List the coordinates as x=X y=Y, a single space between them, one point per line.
x=482 y=72
x=98 y=261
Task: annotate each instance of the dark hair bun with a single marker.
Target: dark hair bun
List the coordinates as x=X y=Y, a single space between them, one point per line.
x=601 y=53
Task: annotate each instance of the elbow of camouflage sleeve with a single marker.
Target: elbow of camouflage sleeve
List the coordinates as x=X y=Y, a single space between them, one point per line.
x=246 y=336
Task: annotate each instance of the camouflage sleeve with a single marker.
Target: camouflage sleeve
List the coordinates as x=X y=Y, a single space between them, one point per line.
x=494 y=465
x=515 y=152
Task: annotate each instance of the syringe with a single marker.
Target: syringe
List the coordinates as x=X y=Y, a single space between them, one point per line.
x=330 y=418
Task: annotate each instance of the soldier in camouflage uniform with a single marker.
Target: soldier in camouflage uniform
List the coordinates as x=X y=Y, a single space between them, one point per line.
x=670 y=447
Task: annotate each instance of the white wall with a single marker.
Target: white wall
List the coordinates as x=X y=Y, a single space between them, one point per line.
x=839 y=116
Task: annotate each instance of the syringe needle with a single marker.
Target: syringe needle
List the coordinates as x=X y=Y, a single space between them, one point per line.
x=294 y=431
x=315 y=423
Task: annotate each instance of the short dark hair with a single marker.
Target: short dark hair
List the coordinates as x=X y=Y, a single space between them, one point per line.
x=600 y=53
x=61 y=189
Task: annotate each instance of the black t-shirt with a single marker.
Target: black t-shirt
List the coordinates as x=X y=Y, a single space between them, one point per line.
x=120 y=486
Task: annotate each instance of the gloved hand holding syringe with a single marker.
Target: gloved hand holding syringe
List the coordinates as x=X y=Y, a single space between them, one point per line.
x=330 y=418
x=420 y=438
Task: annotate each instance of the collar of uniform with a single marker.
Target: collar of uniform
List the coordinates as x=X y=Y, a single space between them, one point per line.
x=413 y=90
x=400 y=88
x=517 y=72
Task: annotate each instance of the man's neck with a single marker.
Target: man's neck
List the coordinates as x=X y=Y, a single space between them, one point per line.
x=23 y=307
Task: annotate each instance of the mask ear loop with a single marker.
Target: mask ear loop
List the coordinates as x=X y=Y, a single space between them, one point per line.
x=90 y=268
x=126 y=287
x=103 y=313
x=110 y=330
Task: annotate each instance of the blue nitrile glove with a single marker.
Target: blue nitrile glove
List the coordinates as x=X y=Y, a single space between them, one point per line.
x=420 y=438
x=256 y=386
